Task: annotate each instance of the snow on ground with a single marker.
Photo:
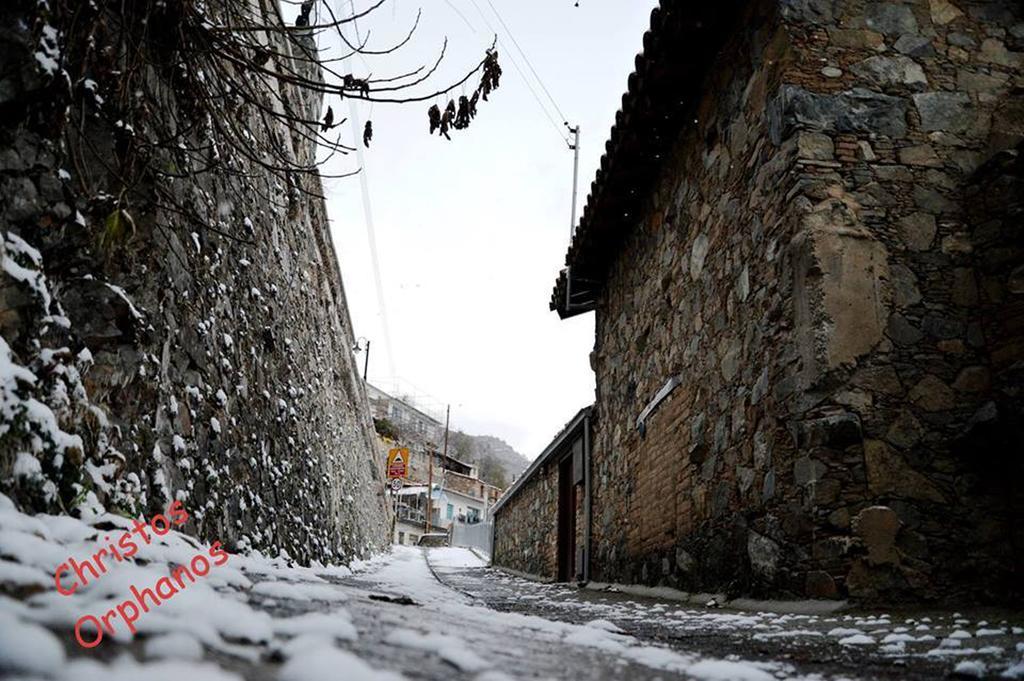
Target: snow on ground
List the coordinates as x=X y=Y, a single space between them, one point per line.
x=407 y=573
x=266 y=618
x=224 y=612
x=946 y=639
x=455 y=557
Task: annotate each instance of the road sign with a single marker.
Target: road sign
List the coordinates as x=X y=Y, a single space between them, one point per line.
x=398 y=463
x=396 y=485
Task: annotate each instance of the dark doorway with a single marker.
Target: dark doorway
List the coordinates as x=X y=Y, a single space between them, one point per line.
x=566 y=521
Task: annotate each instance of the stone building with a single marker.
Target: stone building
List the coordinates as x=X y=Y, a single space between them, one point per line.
x=803 y=250
x=541 y=522
x=192 y=343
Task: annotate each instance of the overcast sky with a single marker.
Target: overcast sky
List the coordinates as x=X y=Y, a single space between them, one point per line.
x=472 y=232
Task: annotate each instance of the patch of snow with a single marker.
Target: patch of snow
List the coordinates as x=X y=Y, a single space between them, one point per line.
x=178 y=645
x=856 y=640
x=453 y=557
x=452 y=650
x=726 y=670
x=333 y=624
x=327 y=662
x=28 y=648
x=299 y=592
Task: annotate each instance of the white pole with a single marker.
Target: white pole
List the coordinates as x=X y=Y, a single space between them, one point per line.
x=575 y=177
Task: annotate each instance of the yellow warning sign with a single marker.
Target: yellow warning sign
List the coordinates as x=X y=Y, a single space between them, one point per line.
x=398 y=463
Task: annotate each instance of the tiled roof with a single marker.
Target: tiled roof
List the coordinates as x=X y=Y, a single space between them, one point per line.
x=678 y=49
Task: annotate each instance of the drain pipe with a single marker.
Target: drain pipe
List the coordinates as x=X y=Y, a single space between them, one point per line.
x=587 y=499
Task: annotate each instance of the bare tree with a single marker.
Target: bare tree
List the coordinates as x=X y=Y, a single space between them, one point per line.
x=226 y=86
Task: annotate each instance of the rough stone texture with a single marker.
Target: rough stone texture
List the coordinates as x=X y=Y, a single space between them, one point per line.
x=526 y=530
x=225 y=366
x=832 y=266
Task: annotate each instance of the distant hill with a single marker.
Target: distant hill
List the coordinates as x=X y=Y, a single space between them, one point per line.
x=498 y=462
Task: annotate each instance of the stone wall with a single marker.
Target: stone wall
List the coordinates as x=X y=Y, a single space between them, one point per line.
x=526 y=527
x=843 y=312
x=213 y=340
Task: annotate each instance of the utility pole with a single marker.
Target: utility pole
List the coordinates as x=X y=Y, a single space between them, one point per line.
x=447 y=416
x=430 y=488
x=366 y=360
x=575 y=146
x=430 y=469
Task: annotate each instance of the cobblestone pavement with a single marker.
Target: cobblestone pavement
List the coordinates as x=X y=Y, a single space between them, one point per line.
x=856 y=644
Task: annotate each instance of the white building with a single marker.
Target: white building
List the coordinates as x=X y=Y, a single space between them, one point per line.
x=414 y=424
x=449 y=507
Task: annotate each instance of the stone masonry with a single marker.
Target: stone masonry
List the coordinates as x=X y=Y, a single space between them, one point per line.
x=829 y=261
x=526 y=531
x=215 y=354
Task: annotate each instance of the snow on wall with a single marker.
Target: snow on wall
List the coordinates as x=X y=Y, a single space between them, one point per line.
x=209 y=365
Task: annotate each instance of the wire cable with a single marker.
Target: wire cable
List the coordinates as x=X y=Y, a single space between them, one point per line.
x=511 y=55
x=364 y=186
x=515 y=42
x=461 y=15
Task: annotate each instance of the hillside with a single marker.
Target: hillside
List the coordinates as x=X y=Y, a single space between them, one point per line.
x=498 y=462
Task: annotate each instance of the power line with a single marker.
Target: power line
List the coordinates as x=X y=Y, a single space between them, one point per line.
x=558 y=129
x=461 y=15
x=515 y=42
x=364 y=186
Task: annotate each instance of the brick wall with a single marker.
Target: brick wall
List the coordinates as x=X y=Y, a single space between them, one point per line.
x=844 y=318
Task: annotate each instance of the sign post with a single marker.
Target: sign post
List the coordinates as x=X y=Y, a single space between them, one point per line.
x=398 y=463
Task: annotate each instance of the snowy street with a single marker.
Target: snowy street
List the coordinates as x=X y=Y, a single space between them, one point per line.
x=431 y=614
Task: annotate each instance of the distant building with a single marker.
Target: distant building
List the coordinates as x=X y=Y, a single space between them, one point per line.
x=456 y=499
x=413 y=424
x=459 y=496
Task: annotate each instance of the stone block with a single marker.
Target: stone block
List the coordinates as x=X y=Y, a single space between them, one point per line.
x=837 y=429
x=815 y=146
x=763 y=554
x=942 y=326
x=890 y=18
x=905 y=431
x=920 y=155
x=917 y=46
x=917 y=231
x=877 y=527
x=890 y=476
x=839 y=518
x=856 y=39
x=973 y=379
x=943 y=12
x=904 y=284
x=994 y=51
x=882 y=379
x=883 y=71
x=807 y=470
x=973 y=81
x=808 y=11
x=902 y=331
x=819 y=584
x=946 y=111
x=931 y=201
x=839 y=286
x=932 y=394
x=857 y=111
